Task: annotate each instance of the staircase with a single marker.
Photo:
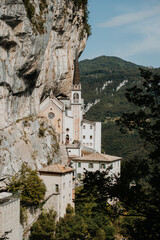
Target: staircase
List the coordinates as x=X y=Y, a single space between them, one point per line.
x=63 y=154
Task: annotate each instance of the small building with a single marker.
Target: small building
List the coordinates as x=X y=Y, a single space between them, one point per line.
x=96 y=161
x=59 y=183
x=91 y=134
x=10 y=216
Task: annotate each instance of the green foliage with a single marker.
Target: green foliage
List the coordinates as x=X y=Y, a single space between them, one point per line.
x=44 y=227
x=23 y=215
x=91 y=204
x=94 y=74
x=29 y=8
x=83 y=4
x=30 y=186
x=36 y=20
x=139 y=189
x=71 y=227
x=42 y=130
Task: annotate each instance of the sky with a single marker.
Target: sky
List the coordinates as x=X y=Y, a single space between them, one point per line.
x=129 y=29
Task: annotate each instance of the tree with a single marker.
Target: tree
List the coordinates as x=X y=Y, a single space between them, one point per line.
x=138 y=187
x=72 y=226
x=29 y=184
x=91 y=203
x=44 y=227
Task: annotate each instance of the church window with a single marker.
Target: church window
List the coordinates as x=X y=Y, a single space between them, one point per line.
x=79 y=164
x=57 y=188
x=90 y=126
x=76 y=98
x=84 y=127
x=67 y=139
x=84 y=136
x=102 y=166
x=67 y=129
x=63 y=185
x=91 y=137
x=51 y=115
x=59 y=122
x=90 y=165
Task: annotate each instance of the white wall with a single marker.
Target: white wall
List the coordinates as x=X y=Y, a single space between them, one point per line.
x=10 y=219
x=92 y=129
x=74 y=151
x=65 y=189
x=98 y=137
x=69 y=125
x=87 y=131
x=66 y=192
x=96 y=166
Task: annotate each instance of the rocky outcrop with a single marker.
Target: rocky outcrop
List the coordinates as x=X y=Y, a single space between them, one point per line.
x=31 y=140
x=39 y=40
x=38 y=44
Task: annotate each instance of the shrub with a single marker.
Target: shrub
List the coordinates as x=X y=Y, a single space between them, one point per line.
x=30 y=185
x=44 y=227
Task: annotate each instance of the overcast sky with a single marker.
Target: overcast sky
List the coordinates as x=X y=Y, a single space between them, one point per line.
x=129 y=29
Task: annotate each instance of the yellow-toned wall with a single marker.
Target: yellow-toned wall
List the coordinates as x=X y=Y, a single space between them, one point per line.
x=57 y=121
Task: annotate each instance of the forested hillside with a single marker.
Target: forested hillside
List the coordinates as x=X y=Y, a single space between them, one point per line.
x=104 y=80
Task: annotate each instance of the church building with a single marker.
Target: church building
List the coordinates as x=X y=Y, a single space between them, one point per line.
x=67 y=117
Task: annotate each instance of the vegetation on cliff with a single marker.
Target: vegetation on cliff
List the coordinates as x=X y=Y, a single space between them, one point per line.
x=83 y=4
x=31 y=187
x=37 y=20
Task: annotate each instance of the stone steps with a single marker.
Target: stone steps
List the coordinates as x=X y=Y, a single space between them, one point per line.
x=63 y=154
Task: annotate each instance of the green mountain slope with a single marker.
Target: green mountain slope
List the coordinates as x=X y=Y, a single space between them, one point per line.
x=104 y=80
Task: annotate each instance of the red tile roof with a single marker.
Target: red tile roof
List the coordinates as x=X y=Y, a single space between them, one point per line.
x=97 y=157
x=56 y=168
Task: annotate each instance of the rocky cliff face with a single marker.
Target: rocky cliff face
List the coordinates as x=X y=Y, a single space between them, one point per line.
x=38 y=43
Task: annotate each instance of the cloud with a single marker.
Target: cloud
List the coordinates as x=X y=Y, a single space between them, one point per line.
x=148 y=43
x=130 y=18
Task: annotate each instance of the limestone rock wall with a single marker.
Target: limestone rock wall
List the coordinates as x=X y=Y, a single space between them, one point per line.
x=31 y=140
x=36 y=55
x=38 y=43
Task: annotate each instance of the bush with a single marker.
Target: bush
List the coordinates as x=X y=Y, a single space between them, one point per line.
x=44 y=227
x=30 y=186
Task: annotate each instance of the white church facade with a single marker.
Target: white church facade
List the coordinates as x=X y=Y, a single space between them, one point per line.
x=67 y=117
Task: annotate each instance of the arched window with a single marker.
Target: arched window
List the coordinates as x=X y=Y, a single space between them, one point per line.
x=76 y=98
x=90 y=165
x=67 y=139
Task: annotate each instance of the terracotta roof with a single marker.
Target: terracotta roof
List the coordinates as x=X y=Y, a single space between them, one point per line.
x=85 y=120
x=56 y=168
x=97 y=157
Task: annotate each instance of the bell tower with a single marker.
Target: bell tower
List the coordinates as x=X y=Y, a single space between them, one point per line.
x=76 y=103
